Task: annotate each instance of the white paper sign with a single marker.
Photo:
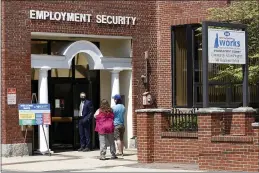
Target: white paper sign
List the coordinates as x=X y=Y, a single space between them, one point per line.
x=57 y=103
x=11 y=96
x=226 y=46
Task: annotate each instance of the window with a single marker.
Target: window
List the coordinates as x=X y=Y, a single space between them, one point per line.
x=81 y=66
x=34 y=74
x=185 y=71
x=39 y=47
x=181 y=66
x=57 y=47
x=187 y=74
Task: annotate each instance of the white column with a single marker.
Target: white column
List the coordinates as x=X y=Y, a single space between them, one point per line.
x=43 y=98
x=115 y=84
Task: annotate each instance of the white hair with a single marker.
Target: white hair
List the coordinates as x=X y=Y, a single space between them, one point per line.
x=82 y=94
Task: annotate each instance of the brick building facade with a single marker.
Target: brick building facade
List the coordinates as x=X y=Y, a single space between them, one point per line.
x=151 y=33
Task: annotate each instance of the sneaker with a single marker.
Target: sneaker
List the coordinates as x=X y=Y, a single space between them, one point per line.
x=80 y=149
x=119 y=154
x=102 y=158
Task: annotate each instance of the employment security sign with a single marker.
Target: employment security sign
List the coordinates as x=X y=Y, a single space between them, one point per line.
x=34 y=114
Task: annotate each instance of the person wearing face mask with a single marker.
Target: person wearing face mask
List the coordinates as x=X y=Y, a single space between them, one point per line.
x=85 y=116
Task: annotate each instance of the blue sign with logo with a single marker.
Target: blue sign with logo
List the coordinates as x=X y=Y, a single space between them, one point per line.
x=34 y=106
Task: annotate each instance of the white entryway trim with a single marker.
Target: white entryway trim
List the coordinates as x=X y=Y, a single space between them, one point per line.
x=95 y=59
x=83 y=46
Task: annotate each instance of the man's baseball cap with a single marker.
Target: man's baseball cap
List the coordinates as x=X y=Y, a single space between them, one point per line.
x=116 y=97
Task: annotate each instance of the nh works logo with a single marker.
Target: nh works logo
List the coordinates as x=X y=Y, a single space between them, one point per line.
x=226 y=41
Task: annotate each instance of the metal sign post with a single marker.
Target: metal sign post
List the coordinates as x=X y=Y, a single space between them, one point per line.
x=46 y=140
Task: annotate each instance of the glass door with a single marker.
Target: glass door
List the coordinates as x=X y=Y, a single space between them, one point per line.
x=62 y=117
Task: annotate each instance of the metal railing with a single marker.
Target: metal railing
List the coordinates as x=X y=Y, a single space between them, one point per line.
x=182 y=120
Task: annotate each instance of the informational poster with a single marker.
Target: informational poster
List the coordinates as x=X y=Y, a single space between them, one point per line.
x=34 y=114
x=11 y=96
x=226 y=46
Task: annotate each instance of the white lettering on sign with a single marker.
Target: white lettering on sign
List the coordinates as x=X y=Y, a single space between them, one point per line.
x=79 y=17
x=40 y=14
x=70 y=17
x=117 y=20
x=226 y=46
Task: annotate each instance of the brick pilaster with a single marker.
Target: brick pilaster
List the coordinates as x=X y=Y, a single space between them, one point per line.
x=255 y=155
x=204 y=138
x=145 y=132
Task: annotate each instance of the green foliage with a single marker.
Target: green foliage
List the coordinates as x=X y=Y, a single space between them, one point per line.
x=245 y=12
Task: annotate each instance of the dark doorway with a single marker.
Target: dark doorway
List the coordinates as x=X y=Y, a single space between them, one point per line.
x=64 y=100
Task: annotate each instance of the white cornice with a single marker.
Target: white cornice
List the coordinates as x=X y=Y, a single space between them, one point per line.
x=55 y=35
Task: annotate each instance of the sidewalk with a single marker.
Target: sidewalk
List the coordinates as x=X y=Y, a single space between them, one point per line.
x=87 y=162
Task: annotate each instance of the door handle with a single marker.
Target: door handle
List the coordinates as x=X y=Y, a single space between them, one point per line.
x=62 y=119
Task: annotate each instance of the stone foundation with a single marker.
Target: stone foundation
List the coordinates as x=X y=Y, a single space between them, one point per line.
x=22 y=149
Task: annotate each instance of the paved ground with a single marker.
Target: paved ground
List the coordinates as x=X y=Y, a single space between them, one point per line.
x=87 y=162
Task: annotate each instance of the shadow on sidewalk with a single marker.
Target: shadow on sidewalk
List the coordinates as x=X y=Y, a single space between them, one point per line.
x=65 y=157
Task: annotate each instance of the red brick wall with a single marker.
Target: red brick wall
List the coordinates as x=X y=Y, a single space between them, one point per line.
x=155 y=144
x=209 y=147
x=17 y=28
x=175 y=13
x=176 y=149
x=232 y=152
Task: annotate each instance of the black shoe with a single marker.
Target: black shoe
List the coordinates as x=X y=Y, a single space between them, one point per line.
x=80 y=149
x=114 y=157
x=86 y=150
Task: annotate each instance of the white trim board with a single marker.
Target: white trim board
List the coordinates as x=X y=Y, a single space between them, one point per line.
x=55 y=35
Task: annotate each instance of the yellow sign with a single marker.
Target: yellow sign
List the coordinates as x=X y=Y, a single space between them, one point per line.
x=28 y=116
